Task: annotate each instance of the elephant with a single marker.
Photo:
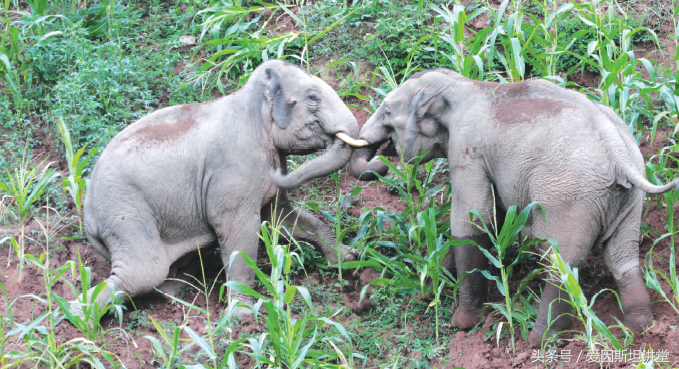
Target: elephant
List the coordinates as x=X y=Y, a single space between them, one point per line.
x=513 y=144
x=208 y=174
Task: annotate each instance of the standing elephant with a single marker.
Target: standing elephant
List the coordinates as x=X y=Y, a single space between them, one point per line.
x=198 y=175
x=518 y=143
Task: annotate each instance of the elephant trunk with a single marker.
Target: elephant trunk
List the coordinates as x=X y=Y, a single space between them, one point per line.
x=361 y=167
x=335 y=158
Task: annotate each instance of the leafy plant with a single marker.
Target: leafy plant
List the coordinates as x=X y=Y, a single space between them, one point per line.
x=42 y=346
x=26 y=189
x=291 y=339
x=503 y=240
x=596 y=332
x=74 y=183
x=85 y=313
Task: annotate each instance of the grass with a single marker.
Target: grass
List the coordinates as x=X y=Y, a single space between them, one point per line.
x=72 y=77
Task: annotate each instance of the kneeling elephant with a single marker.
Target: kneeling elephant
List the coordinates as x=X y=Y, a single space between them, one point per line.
x=197 y=175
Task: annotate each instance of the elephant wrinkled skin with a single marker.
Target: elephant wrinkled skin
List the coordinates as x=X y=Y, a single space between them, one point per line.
x=512 y=144
x=207 y=174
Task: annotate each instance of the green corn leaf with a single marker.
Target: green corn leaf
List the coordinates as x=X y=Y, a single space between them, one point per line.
x=200 y=341
x=158 y=348
x=289 y=294
x=160 y=330
x=187 y=304
x=244 y=289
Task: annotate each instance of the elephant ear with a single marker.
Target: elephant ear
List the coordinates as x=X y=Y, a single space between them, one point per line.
x=280 y=105
x=425 y=114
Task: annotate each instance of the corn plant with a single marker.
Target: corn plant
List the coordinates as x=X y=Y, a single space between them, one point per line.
x=292 y=340
x=503 y=240
x=85 y=313
x=207 y=343
x=596 y=332
x=6 y=321
x=26 y=188
x=651 y=274
x=42 y=346
x=466 y=59
x=74 y=183
x=544 y=34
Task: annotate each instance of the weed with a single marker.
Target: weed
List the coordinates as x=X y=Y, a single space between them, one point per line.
x=26 y=188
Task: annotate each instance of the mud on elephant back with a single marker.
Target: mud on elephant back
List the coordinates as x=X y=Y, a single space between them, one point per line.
x=209 y=174
x=512 y=144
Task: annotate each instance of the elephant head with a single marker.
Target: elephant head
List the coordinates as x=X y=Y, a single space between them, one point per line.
x=302 y=113
x=413 y=117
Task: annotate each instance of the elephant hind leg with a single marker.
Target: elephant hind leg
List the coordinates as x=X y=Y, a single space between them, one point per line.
x=621 y=256
x=139 y=262
x=575 y=243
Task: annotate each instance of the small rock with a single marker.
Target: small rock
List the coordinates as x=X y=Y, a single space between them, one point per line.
x=188 y=40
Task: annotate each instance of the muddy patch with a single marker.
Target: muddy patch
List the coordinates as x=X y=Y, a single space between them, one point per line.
x=517 y=111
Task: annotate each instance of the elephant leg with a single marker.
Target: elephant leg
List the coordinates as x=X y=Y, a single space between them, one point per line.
x=575 y=236
x=621 y=256
x=473 y=289
x=552 y=314
x=449 y=262
x=186 y=271
x=310 y=229
x=240 y=233
x=471 y=191
x=139 y=262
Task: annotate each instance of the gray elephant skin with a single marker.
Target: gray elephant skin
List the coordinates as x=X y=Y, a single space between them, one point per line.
x=514 y=144
x=208 y=174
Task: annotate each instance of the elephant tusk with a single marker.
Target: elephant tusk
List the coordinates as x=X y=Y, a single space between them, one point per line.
x=355 y=143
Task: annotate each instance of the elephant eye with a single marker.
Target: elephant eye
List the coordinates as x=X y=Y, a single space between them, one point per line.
x=387 y=112
x=314 y=98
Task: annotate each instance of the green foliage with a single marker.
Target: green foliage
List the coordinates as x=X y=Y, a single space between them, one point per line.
x=99 y=68
x=40 y=345
x=503 y=241
x=292 y=340
x=26 y=188
x=74 y=183
x=85 y=313
x=596 y=332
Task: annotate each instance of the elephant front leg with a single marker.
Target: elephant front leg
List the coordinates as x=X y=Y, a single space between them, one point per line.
x=310 y=229
x=240 y=234
x=473 y=290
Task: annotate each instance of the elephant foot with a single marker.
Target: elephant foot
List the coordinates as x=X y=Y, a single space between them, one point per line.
x=638 y=319
x=466 y=320
x=245 y=304
x=535 y=338
x=345 y=251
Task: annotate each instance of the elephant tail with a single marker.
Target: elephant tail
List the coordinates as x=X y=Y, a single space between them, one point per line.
x=639 y=181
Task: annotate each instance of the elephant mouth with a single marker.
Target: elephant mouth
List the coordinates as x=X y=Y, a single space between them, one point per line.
x=390 y=149
x=298 y=151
